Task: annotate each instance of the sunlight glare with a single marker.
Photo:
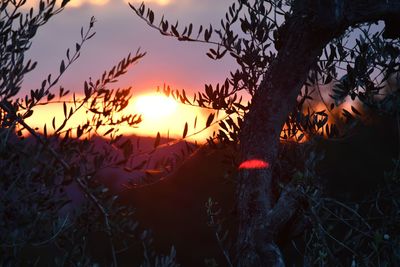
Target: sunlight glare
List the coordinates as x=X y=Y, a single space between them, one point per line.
x=154 y=106
x=167 y=116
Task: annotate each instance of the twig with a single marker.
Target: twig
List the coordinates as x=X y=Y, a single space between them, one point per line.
x=350 y=209
x=54 y=235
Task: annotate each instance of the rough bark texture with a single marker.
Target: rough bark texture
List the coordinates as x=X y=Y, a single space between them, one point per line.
x=302 y=37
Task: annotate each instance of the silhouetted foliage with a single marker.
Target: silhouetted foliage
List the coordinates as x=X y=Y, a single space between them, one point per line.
x=301 y=64
x=311 y=69
x=52 y=211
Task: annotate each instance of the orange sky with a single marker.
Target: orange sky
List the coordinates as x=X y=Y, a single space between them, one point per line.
x=159 y=113
x=118 y=32
x=181 y=65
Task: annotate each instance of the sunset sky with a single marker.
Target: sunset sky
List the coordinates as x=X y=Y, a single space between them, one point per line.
x=118 y=32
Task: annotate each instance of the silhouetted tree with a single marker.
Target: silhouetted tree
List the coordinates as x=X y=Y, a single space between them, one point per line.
x=285 y=49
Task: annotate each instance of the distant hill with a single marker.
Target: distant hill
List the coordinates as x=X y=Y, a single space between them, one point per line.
x=174 y=207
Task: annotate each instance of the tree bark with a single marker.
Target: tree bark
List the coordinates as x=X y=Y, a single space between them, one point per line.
x=312 y=25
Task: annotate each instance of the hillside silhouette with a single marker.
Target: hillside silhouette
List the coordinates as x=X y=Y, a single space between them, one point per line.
x=171 y=204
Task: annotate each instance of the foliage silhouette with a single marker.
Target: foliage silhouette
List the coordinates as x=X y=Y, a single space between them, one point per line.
x=288 y=53
x=38 y=224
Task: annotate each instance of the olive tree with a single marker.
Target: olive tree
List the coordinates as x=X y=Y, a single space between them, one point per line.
x=38 y=224
x=284 y=49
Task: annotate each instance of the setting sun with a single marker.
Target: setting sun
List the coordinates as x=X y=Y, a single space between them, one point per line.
x=155 y=106
x=167 y=116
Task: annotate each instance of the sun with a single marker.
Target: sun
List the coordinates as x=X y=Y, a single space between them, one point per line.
x=167 y=116
x=155 y=106
x=159 y=114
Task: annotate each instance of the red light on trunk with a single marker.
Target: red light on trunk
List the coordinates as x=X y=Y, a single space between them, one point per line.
x=254 y=164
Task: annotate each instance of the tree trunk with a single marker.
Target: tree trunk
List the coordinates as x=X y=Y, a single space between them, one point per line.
x=304 y=35
x=271 y=105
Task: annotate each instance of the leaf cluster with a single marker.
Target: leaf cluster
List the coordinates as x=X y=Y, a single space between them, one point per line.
x=49 y=197
x=357 y=64
x=359 y=68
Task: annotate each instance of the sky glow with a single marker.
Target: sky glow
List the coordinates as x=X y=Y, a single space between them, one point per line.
x=159 y=114
x=118 y=32
x=77 y=3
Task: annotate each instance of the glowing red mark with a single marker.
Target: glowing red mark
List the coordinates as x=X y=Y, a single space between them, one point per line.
x=254 y=164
